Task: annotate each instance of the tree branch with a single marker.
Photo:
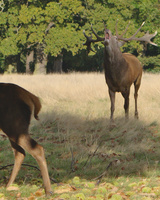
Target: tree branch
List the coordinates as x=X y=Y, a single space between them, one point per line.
x=91 y=156
x=4 y=167
x=50 y=25
x=2 y=5
x=104 y=173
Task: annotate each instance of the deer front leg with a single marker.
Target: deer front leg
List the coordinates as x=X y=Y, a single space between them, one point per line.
x=136 y=88
x=19 y=155
x=126 y=103
x=126 y=107
x=136 y=109
x=112 y=99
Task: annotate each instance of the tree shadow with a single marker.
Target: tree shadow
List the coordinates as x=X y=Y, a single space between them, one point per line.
x=86 y=147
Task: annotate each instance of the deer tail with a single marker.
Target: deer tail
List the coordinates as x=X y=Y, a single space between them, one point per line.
x=37 y=105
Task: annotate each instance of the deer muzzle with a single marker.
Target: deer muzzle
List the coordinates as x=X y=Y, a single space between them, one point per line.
x=106 y=42
x=107 y=37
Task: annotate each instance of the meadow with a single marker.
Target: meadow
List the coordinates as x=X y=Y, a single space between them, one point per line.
x=87 y=158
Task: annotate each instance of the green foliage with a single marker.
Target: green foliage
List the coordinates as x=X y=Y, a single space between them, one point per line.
x=9 y=46
x=24 y=25
x=65 y=196
x=151 y=64
x=116 y=197
x=1 y=63
x=63 y=38
x=76 y=180
x=101 y=190
x=10 y=69
x=146 y=190
x=78 y=196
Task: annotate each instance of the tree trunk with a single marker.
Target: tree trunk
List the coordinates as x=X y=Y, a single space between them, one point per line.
x=18 y=63
x=41 y=62
x=29 y=61
x=57 y=68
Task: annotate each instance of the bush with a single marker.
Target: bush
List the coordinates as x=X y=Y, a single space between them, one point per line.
x=151 y=64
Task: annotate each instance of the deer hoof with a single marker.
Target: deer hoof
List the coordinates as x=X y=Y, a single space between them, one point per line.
x=49 y=193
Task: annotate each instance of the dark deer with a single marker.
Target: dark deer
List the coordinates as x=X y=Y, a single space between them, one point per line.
x=16 y=107
x=121 y=69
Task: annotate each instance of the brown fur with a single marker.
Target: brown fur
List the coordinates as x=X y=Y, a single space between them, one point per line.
x=16 y=107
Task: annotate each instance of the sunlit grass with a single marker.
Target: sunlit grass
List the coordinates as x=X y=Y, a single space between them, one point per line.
x=86 y=95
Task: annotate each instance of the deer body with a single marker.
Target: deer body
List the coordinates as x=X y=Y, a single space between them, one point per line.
x=121 y=69
x=16 y=107
x=119 y=78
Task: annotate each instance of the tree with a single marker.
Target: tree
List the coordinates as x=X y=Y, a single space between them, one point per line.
x=26 y=25
x=66 y=32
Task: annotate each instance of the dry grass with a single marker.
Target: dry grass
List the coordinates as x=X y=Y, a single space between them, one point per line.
x=86 y=95
x=75 y=115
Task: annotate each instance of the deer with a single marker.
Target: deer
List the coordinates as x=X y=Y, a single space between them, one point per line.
x=16 y=108
x=121 y=69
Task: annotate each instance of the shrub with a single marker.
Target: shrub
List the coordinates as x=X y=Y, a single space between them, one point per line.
x=151 y=64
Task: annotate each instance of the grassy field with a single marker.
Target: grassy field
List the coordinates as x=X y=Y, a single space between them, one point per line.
x=80 y=146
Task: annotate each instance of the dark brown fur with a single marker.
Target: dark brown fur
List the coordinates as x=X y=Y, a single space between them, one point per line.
x=16 y=107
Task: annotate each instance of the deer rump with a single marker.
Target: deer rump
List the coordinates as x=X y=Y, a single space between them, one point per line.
x=16 y=107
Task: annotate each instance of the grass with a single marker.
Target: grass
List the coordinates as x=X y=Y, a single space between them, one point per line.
x=75 y=131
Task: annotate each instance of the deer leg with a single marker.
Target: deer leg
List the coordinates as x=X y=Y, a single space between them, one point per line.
x=136 y=87
x=126 y=103
x=37 y=151
x=19 y=155
x=136 y=109
x=112 y=99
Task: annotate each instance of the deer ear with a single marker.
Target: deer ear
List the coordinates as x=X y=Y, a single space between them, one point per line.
x=121 y=43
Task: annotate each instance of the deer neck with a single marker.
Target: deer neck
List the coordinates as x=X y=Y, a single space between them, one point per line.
x=113 y=63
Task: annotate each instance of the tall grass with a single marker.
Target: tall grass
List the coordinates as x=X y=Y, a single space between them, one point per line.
x=86 y=95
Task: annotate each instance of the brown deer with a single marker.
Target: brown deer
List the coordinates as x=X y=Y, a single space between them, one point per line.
x=16 y=107
x=121 y=69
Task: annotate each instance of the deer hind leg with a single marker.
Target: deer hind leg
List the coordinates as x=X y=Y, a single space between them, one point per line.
x=19 y=155
x=136 y=88
x=37 y=151
x=112 y=99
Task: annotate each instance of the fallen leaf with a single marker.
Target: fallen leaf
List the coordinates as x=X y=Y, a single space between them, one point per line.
x=114 y=189
x=63 y=190
x=68 y=188
x=11 y=188
x=31 y=198
x=38 y=193
x=18 y=195
x=74 y=188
